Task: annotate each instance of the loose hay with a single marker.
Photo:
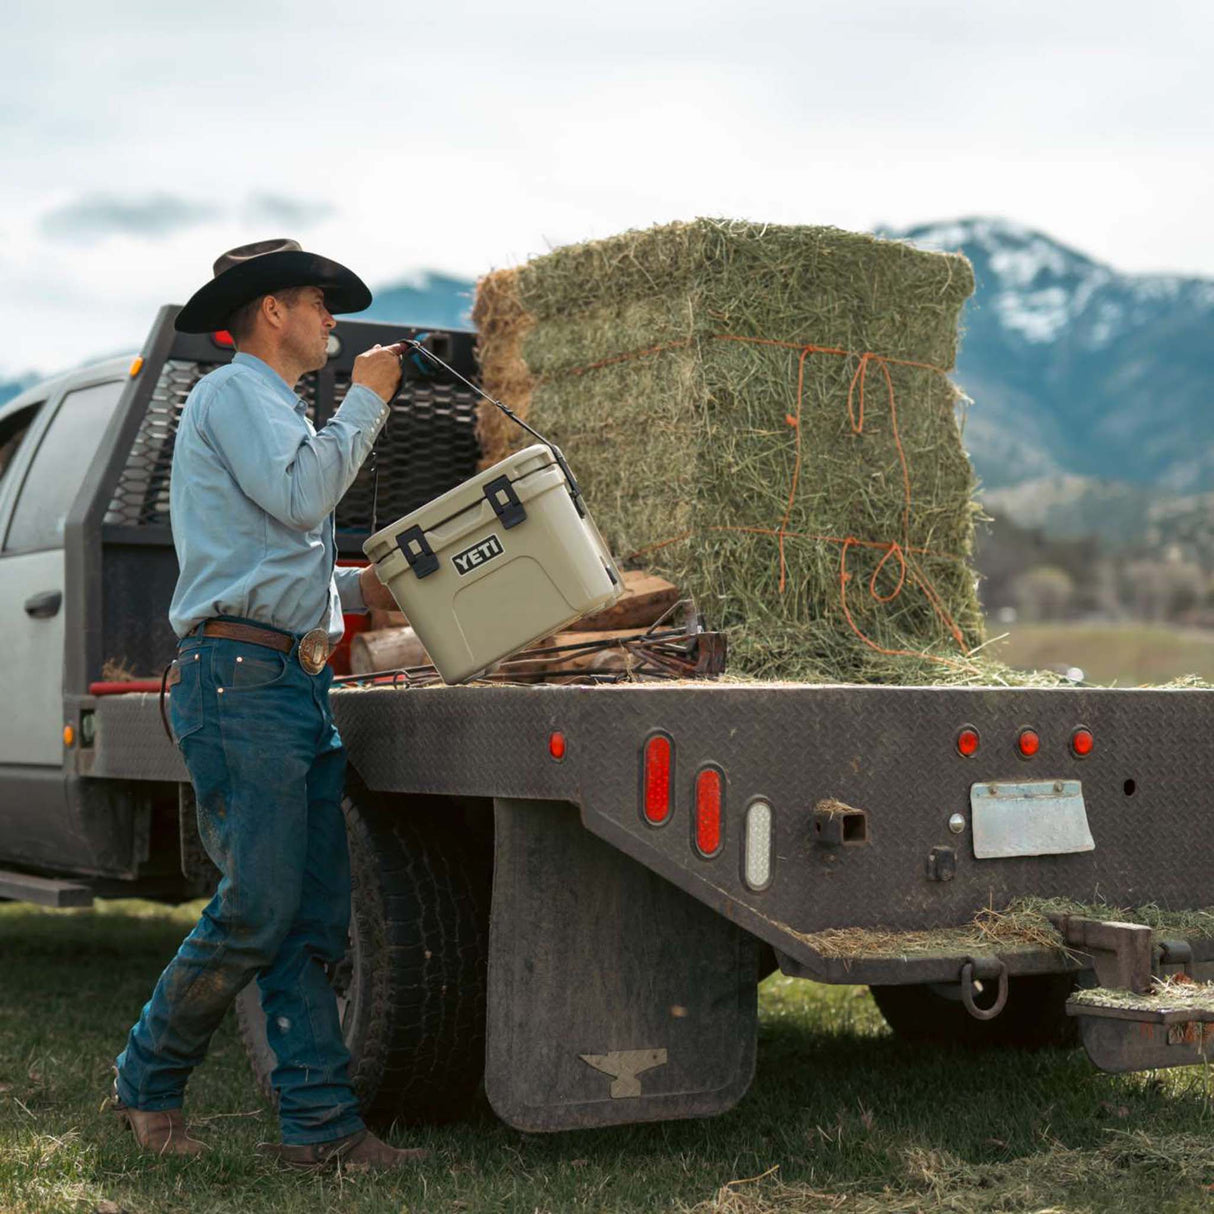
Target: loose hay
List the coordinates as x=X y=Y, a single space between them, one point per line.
x=1024 y=923
x=762 y=415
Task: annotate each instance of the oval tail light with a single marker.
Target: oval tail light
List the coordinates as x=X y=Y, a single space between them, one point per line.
x=709 y=811
x=656 y=782
x=756 y=856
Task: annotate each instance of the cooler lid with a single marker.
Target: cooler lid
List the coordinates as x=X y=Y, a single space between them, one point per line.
x=463 y=497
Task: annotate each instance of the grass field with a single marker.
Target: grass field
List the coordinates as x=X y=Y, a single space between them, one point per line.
x=840 y=1116
x=1126 y=655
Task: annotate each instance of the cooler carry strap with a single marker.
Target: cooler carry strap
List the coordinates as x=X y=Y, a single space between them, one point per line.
x=505 y=503
x=570 y=482
x=417 y=550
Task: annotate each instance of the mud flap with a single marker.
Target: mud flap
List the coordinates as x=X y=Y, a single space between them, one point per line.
x=613 y=996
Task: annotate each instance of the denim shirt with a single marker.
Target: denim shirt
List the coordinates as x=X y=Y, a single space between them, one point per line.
x=251 y=500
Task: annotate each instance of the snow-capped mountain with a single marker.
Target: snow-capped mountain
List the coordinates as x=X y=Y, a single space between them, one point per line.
x=1077 y=368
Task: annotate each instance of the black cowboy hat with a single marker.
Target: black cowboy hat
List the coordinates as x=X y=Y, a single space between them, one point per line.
x=261 y=269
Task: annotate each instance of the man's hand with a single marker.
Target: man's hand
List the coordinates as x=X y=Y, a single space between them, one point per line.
x=375 y=593
x=379 y=369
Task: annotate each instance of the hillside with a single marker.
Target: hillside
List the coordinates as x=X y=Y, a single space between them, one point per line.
x=1076 y=368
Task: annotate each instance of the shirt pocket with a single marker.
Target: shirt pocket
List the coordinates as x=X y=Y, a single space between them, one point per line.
x=185 y=698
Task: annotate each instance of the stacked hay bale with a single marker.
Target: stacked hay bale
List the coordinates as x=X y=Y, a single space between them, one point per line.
x=762 y=415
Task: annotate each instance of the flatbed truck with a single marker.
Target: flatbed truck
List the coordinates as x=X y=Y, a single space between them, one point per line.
x=567 y=894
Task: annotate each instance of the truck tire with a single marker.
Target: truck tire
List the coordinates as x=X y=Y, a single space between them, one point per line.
x=411 y=989
x=933 y=1014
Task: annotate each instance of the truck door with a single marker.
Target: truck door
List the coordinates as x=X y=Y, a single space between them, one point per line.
x=32 y=572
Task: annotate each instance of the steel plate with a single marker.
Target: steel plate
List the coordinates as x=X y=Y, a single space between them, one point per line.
x=1029 y=818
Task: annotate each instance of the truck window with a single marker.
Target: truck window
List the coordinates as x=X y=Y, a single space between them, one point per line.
x=57 y=471
x=12 y=431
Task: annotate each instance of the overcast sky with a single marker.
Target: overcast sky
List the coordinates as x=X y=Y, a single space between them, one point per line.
x=139 y=140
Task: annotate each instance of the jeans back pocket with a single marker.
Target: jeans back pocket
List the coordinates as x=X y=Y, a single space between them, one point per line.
x=185 y=696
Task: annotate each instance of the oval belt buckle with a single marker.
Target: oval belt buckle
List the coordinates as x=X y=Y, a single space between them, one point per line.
x=314 y=650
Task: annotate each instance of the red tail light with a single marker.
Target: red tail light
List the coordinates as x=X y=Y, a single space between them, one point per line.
x=223 y=338
x=656 y=781
x=556 y=745
x=967 y=741
x=709 y=811
x=1082 y=742
x=1028 y=743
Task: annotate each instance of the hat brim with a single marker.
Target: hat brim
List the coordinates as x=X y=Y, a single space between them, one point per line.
x=210 y=307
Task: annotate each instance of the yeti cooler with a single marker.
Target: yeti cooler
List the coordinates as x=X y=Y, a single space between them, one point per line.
x=495 y=563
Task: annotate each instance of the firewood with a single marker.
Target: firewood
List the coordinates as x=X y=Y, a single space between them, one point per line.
x=381 y=619
x=592 y=659
x=386 y=649
x=645 y=598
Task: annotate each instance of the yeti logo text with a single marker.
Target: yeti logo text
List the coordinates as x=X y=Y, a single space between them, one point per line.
x=477 y=555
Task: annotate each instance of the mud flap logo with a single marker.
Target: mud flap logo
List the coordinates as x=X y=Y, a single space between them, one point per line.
x=624 y=1067
x=477 y=555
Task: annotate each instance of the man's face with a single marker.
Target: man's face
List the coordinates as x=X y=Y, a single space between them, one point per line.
x=305 y=333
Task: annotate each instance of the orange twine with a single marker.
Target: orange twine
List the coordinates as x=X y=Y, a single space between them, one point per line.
x=901 y=550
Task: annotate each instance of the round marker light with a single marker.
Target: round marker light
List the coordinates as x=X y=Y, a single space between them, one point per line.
x=967 y=741
x=556 y=745
x=1028 y=743
x=1082 y=742
x=69 y=735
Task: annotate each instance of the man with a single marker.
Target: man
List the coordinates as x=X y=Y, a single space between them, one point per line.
x=257 y=606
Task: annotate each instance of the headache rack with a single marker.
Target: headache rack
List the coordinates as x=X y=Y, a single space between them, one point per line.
x=124 y=540
x=428 y=445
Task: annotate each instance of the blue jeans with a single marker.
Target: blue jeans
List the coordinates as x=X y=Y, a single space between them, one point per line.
x=268 y=768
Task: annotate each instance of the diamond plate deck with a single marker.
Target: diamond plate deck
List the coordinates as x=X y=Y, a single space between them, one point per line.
x=887 y=750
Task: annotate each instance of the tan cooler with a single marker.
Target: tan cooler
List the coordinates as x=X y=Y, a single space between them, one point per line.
x=495 y=564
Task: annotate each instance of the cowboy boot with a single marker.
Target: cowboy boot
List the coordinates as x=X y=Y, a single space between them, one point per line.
x=160 y=1133
x=358 y=1150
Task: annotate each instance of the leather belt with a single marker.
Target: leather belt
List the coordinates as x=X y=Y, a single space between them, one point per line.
x=313 y=651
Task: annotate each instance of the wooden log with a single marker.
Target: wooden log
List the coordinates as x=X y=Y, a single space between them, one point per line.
x=572 y=663
x=644 y=600
x=381 y=619
x=386 y=649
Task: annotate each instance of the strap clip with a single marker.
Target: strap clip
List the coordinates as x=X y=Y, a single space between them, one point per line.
x=505 y=503
x=417 y=550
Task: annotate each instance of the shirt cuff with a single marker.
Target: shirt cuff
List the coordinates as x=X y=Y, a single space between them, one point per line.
x=349 y=590
x=364 y=407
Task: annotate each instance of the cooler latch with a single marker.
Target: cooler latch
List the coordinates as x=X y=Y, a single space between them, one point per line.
x=504 y=501
x=417 y=550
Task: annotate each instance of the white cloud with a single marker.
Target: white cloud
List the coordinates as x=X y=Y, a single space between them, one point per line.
x=469 y=135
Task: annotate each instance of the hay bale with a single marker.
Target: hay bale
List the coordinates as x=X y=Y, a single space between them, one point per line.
x=762 y=415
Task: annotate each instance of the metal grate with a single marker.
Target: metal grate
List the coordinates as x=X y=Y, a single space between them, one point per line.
x=141 y=497
x=428 y=446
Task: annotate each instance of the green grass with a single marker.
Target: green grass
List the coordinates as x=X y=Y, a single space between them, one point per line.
x=840 y=1116
x=1126 y=655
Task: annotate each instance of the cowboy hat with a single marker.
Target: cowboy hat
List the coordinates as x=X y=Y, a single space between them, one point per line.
x=262 y=268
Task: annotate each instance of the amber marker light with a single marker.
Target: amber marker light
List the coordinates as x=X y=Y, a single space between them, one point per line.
x=1028 y=743
x=968 y=741
x=69 y=735
x=136 y=365
x=1082 y=742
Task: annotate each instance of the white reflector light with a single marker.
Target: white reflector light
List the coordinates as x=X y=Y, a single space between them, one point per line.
x=756 y=865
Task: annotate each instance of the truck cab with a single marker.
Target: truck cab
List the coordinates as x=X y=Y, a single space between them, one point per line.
x=49 y=438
